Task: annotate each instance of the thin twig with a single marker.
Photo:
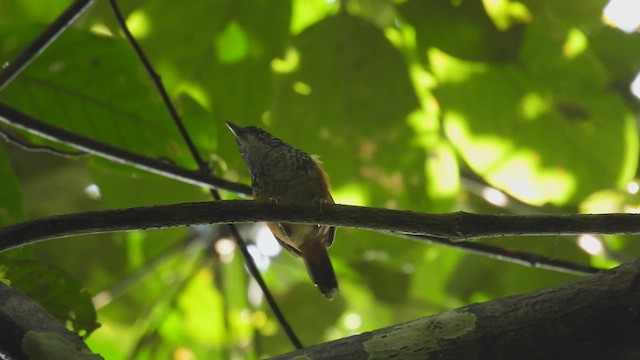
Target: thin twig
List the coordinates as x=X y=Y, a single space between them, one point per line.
x=14 y=67
x=511 y=255
x=202 y=165
x=20 y=120
x=25 y=145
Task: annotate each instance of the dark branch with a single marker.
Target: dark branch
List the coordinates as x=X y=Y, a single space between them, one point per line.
x=157 y=81
x=25 y=145
x=455 y=227
x=594 y=318
x=27 y=330
x=39 y=44
x=13 y=117
x=511 y=255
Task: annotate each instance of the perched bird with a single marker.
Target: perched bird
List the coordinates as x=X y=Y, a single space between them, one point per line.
x=282 y=173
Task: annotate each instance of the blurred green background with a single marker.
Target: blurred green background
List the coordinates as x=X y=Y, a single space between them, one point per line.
x=496 y=106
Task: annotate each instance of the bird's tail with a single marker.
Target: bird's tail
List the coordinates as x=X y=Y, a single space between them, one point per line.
x=319 y=266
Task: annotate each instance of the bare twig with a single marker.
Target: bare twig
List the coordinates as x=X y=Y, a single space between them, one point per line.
x=16 y=118
x=24 y=144
x=510 y=255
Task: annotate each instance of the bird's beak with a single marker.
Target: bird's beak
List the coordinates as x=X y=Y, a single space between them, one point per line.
x=235 y=129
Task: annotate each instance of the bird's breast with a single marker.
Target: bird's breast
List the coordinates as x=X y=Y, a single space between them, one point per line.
x=289 y=184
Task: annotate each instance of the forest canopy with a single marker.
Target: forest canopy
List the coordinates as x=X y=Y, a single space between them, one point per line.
x=501 y=106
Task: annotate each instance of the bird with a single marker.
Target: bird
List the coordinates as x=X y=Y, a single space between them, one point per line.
x=282 y=173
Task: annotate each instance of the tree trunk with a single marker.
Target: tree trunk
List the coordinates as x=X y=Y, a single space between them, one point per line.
x=597 y=317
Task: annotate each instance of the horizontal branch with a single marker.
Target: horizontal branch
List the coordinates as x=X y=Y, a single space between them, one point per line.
x=455 y=227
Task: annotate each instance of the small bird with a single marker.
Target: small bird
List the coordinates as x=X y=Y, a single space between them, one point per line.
x=281 y=173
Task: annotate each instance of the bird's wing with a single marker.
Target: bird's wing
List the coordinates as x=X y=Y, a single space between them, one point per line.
x=280 y=233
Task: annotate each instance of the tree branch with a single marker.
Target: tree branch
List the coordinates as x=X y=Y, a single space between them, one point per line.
x=27 y=330
x=594 y=318
x=25 y=145
x=37 y=46
x=455 y=227
x=510 y=255
x=16 y=118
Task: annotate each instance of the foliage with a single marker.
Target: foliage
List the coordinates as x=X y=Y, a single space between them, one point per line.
x=412 y=104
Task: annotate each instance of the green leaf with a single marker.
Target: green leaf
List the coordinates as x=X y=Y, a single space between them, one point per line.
x=387 y=284
x=55 y=290
x=347 y=100
x=126 y=188
x=463 y=30
x=100 y=92
x=232 y=90
x=395 y=97
x=11 y=210
x=15 y=12
x=52 y=346
x=523 y=132
x=479 y=279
